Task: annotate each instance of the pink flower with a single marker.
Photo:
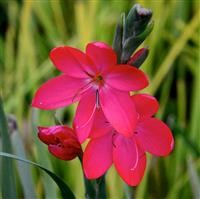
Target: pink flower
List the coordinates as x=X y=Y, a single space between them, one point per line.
x=127 y=153
x=96 y=80
x=61 y=140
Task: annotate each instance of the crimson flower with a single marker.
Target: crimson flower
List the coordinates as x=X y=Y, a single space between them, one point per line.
x=95 y=80
x=107 y=146
x=61 y=140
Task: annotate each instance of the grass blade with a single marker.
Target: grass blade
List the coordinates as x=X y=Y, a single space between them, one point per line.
x=42 y=157
x=23 y=169
x=65 y=190
x=174 y=52
x=7 y=181
x=194 y=179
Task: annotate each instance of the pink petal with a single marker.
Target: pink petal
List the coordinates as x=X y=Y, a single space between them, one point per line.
x=100 y=125
x=126 y=78
x=58 y=92
x=119 y=110
x=97 y=157
x=72 y=61
x=146 y=105
x=155 y=137
x=125 y=158
x=102 y=55
x=85 y=114
x=137 y=174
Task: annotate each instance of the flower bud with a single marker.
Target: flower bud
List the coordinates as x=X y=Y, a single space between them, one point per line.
x=137 y=20
x=61 y=140
x=136 y=27
x=139 y=57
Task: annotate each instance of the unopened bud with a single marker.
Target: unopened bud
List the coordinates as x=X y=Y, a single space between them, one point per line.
x=61 y=140
x=137 y=20
x=139 y=57
x=136 y=28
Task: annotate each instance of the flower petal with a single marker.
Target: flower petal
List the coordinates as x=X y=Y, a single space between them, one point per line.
x=137 y=174
x=85 y=114
x=62 y=153
x=119 y=110
x=100 y=125
x=97 y=157
x=126 y=78
x=102 y=55
x=146 y=105
x=126 y=159
x=71 y=61
x=58 y=92
x=46 y=135
x=155 y=137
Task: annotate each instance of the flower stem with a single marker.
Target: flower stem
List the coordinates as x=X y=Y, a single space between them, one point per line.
x=100 y=188
x=94 y=189
x=90 y=191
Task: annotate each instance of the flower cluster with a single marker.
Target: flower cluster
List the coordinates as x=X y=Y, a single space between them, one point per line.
x=120 y=126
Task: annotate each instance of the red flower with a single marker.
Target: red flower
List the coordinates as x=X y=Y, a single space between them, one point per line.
x=127 y=153
x=95 y=80
x=61 y=140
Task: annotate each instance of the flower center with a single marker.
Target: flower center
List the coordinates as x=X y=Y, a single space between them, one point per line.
x=98 y=78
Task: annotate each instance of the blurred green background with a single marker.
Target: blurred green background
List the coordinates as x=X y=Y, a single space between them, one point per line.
x=29 y=29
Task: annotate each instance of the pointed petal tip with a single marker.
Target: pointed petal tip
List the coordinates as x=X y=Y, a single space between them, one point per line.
x=91 y=176
x=41 y=105
x=146 y=79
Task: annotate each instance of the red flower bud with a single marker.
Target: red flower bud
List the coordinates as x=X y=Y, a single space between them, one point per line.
x=61 y=140
x=139 y=57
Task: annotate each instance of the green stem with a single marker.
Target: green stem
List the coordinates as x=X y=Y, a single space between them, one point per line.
x=90 y=191
x=94 y=188
x=100 y=188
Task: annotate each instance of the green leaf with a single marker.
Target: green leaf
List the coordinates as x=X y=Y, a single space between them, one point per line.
x=23 y=169
x=65 y=190
x=7 y=181
x=117 y=42
x=42 y=157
